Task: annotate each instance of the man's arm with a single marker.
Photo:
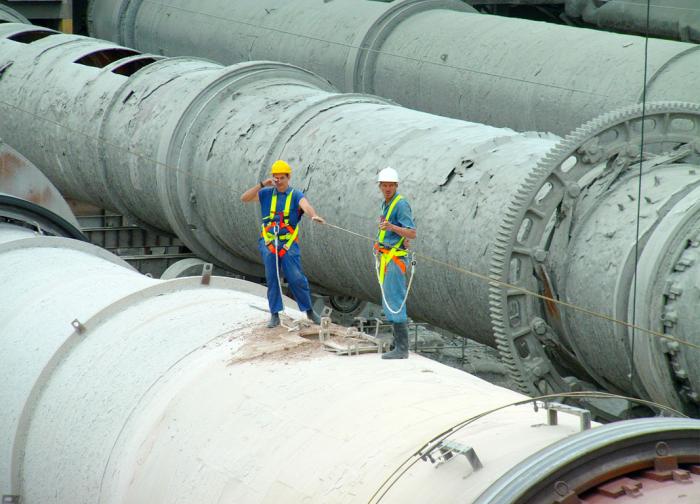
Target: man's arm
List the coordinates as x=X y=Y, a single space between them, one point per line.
x=308 y=209
x=404 y=216
x=408 y=233
x=252 y=193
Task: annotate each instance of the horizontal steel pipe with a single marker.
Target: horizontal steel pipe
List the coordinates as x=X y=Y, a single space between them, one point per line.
x=120 y=388
x=500 y=71
x=203 y=133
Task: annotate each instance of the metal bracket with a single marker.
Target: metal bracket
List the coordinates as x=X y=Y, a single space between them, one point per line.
x=446 y=451
x=554 y=408
x=206 y=273
x=325 y=332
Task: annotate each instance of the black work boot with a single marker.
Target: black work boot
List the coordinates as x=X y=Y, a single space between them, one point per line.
x=400 y=350
x=313 y=317
x=274 y=320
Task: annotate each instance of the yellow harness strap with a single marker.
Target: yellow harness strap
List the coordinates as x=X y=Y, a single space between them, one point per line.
x=395 y=252
x=270 y=237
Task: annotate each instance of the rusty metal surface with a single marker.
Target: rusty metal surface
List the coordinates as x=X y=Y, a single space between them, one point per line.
x=22 y=179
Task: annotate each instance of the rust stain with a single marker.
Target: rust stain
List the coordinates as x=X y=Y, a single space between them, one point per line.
x=9 y=164
x=40 y=198
x=551 y=306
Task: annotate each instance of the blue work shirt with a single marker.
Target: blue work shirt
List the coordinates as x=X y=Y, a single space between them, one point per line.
x=401 y=216
x=295 y=212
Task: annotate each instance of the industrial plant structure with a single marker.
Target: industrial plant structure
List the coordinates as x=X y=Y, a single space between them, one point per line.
x=573 y=250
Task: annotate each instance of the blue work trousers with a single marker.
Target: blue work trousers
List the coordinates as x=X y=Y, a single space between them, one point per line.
x=394 y=291
x=290 y=267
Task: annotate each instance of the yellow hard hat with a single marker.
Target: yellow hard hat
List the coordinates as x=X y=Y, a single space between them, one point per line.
x=280 y=166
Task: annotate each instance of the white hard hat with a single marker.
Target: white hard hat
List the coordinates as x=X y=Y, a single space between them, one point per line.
x=388 y=174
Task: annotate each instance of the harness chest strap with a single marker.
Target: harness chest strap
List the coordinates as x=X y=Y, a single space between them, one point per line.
x=393 y=254
x=283 y=223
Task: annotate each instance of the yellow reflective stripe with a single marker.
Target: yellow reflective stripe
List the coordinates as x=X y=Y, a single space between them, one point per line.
x=382 y=267
x=273 y=205
x=382 y=233
x=387 y=257
x=293 y=237
x=269 y=237
x=288 y=204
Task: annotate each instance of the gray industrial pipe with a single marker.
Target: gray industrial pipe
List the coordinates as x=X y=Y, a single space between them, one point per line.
x=431 y=55
x=675 y=19
x=176 y=142
x=198 y=134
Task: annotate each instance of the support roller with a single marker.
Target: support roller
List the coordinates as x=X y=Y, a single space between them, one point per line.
x=438 y=56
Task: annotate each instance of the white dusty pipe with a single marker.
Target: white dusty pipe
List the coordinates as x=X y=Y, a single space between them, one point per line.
x=118 y=388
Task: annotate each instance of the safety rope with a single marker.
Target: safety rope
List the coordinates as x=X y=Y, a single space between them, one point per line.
x=537 y=295
x=633 y=367
x=413 y=459
x=412 y=264
x=473 y=274
x=275 y=230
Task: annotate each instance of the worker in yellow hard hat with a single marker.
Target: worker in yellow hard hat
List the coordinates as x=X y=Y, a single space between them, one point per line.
x=396 y=227
x=282 y=208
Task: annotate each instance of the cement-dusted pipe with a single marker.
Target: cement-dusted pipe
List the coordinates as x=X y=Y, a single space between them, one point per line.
x=180 y=139
x=430 y=55
x=120 y=388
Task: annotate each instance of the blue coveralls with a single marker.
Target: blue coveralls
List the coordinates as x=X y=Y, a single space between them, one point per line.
x=394 y=278
x=290 y=263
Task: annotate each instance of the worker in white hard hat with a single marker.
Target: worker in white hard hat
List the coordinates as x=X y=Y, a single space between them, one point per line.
x=282 y=208
x=396 y=226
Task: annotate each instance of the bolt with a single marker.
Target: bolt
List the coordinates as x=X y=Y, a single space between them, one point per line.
x=540 y=255
x=671 y=346
x=661 y=449
x=673 y=290
x=539 y=326
x=561 y=488
x=573 y=189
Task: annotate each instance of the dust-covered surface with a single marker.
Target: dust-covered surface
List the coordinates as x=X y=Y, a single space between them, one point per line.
x=281 y=343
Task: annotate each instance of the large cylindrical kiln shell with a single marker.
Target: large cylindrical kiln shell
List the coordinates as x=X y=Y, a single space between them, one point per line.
x=494 y=70
x=197 y=135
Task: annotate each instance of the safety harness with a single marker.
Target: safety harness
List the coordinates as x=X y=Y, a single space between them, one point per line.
x=393 y=253
x=272 y=229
